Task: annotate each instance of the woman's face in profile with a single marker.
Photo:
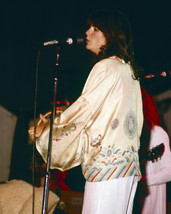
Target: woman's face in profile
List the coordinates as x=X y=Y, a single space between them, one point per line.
x=95 y=39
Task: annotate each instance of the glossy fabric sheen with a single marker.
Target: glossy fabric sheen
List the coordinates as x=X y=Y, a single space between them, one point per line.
x=101 y=130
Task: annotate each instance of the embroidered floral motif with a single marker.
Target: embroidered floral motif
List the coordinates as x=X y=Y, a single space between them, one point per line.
x=109 y=152
x=64 y=131
x=96 y=140
x=108 y=165
x=130 y=125
x=114 y=124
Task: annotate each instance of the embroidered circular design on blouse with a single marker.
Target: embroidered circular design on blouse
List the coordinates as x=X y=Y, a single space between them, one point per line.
x=130 y=124
x=114 y=124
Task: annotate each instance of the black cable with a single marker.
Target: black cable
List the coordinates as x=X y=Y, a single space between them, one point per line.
x=35 y=109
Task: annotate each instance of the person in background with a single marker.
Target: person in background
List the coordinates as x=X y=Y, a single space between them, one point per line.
x=101 y=129
x=155 y=158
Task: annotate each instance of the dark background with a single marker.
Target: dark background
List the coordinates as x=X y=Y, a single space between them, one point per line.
x=25 y=25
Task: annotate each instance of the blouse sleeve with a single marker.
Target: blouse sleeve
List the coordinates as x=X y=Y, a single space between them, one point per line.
x=69 y=138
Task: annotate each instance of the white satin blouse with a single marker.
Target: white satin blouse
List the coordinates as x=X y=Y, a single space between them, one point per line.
x=102 y=128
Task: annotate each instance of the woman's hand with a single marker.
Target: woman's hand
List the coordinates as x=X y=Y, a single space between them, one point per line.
x=35 y=132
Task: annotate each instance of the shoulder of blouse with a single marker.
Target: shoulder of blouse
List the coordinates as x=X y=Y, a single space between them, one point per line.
x=113 y=59
x=110 y=63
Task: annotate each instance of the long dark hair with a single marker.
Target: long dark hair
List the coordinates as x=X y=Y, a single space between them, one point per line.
x=118 y=34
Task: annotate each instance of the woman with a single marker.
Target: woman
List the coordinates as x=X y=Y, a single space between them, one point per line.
x=101 y=130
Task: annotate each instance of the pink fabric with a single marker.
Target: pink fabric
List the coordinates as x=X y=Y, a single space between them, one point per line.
x=157 y=174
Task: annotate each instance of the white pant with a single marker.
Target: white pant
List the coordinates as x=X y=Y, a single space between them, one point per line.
x=114 y=196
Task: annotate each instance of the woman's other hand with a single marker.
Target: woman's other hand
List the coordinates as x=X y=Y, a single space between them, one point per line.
x=35 y=132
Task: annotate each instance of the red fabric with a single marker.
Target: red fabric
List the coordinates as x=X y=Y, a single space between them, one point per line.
x=57 y=180
x=151 y=116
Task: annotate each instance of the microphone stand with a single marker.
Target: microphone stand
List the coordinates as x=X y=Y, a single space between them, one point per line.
x=46 y=183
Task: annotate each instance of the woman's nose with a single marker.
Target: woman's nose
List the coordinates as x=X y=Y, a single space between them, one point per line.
x=88 y=32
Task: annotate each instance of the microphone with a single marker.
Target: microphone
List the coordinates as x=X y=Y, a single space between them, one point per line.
x=162 y=74
x=68 y=41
